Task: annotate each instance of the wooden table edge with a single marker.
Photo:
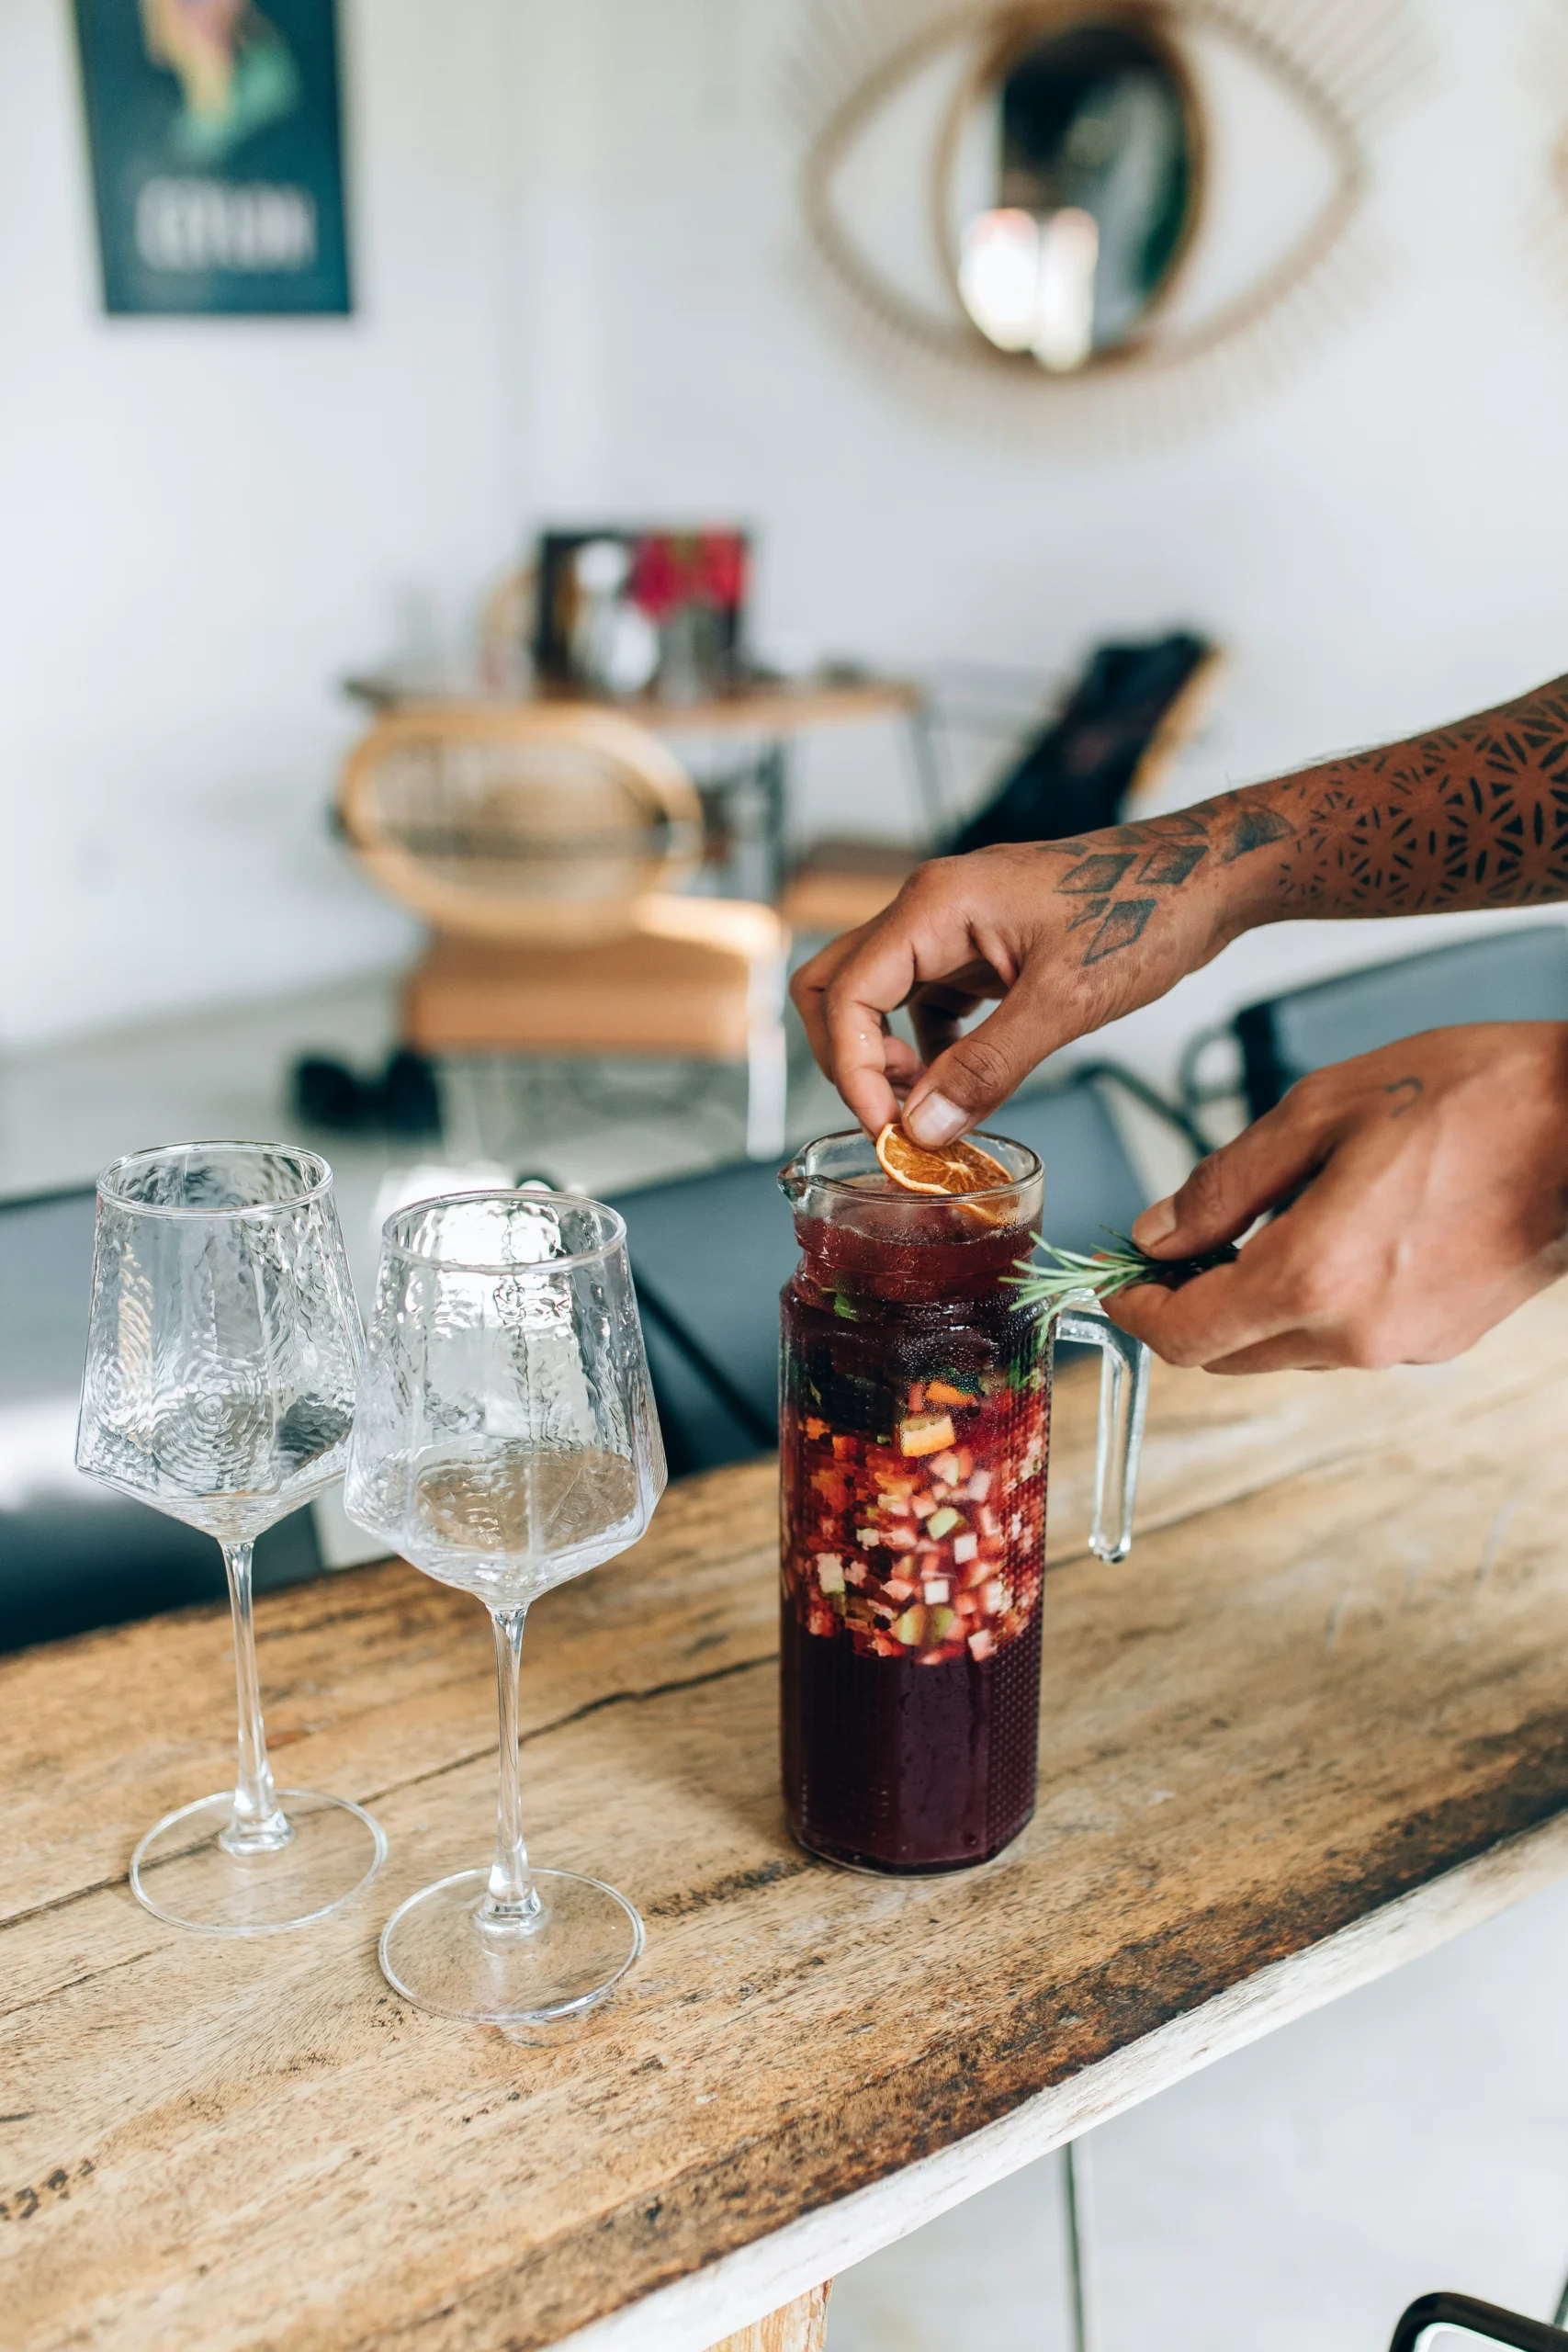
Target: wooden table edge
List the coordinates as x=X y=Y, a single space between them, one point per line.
x=742 y=2288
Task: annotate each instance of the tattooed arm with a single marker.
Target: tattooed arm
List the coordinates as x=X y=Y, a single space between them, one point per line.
x=1069 y=935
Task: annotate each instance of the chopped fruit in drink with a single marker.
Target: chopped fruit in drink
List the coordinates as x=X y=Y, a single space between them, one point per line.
x=945 y=1465
x=959 y=1168
x=939 y=1625
x=943 y=1392
x=922 y=1433
x=918 y=1398
x=922 y=1506
x=830 y=1572
x=979 y=1485
x=896 y=1589
x=981 y=1645
x=909 y=1628
x=867 y=1538
x=935 y=1588
x=814 y=1427
x=944 y=1521
x=964 y=1547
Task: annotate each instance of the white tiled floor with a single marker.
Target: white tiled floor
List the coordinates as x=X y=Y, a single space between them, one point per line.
x=66 y=1110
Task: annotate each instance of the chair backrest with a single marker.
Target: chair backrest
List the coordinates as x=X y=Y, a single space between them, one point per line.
x=710 y=1254
x=1513 y=976
x=517 y=820
x=73 y=1555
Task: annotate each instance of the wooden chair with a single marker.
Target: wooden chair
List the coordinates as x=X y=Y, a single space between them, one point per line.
x=543 y=846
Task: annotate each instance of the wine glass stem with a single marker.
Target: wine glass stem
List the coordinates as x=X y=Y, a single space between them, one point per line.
x=512 y=1900
x=258 y=1825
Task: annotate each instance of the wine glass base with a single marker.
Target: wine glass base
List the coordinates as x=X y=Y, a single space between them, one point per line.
x=182 y=1874
x=435 y=1953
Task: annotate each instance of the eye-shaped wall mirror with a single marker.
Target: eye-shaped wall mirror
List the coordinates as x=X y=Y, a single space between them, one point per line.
x=1069 y=196
x=1070 y=185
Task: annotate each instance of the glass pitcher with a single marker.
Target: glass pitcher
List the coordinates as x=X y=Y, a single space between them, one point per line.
x=915 y=1429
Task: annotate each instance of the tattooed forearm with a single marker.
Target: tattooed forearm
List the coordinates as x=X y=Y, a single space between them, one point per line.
x=1166 y=853
x=1473 y=815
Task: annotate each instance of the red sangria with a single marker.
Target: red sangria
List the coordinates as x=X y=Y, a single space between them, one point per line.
x=916 y=1422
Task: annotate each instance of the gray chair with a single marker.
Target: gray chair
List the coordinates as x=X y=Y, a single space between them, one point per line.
x=73 y=1555
x=1521 y=975
x=711 y=1253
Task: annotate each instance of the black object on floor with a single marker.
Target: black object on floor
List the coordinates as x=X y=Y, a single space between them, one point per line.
x=710 y=1254
x=402 y=1100
x=75 y=1555
x=1074 y=775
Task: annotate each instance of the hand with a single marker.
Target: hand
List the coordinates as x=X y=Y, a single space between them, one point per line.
x=1067 y=934
x=1435 y=1202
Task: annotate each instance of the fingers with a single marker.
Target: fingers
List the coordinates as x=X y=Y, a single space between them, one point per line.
x=971 y=1076
x=1234 y=1185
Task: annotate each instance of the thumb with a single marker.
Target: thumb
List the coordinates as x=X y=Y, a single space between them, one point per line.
x=1265 y=1165
x=976 y=1072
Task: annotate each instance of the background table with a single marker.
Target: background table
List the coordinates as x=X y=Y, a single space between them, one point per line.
x=766 y=718
x=1316 y=1723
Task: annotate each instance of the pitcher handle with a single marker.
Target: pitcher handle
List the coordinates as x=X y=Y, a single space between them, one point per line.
x=1123 y=1403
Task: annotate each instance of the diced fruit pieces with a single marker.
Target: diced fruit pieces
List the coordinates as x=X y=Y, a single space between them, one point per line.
x=943 y=1522
x=943 y=1392
x=964 y=1547
x=923 y=1433
x=909 y=1628
x=830 y=1572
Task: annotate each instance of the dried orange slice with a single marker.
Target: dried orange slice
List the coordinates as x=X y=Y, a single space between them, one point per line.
x=957 y=1168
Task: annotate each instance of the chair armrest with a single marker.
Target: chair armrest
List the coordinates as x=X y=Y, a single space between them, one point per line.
x=1484 y=2320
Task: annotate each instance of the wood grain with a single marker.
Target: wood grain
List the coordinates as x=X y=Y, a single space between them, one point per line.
x=1308 y=1717
x=797 y=2326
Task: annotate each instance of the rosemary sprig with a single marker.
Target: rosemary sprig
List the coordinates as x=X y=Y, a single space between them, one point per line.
x=1105 y=1271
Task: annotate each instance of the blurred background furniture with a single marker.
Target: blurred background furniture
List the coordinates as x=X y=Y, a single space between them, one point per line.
x=747 y=735
x=1521 y=974
x=1442 y=2314
x=73 y=1555
x=1086 y=764
x=545 y=844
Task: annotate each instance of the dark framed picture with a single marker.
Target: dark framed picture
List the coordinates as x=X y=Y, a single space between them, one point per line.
x=627 y=612
x=215 y=130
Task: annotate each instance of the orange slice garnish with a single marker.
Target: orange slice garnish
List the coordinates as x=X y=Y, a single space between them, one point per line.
x=958 y=1168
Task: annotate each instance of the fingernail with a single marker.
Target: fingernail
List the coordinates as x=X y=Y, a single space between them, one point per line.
x=934 y=1121
x=1156 y=1225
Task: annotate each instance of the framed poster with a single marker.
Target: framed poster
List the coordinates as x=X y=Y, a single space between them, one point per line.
x=215 y=131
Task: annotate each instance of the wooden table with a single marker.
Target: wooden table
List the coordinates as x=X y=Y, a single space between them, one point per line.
x=1317 y=1724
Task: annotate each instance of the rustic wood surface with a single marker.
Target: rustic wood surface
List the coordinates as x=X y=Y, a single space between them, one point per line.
x=798 y=2326
x=1320 y=1710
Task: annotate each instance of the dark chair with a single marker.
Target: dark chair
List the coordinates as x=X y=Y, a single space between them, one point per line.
x=711 y=1253
x=1521 y=975
x=73 y=1555
x=1484 y=2320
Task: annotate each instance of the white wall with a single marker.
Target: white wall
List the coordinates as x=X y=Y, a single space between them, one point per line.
x=581 y=292
x=1378 y=544
x=205 y=523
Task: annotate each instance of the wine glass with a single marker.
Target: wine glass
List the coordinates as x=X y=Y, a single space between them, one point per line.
x=504 y=1440
x=222 y=1353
